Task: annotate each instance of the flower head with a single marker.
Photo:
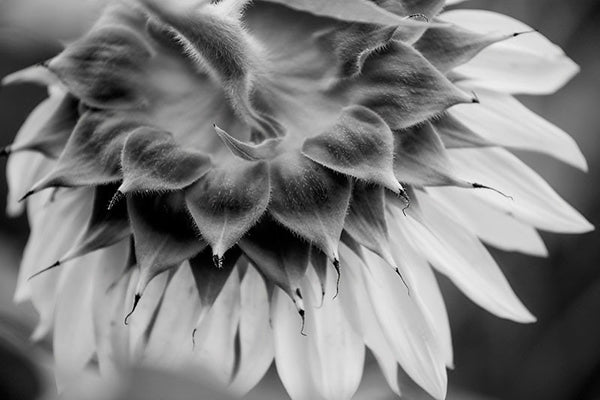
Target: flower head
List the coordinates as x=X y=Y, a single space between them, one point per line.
x=240 y=181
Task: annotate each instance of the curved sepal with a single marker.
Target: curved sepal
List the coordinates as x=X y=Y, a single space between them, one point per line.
x=352 y=44
x=92 y=155
x=164 y=235
x=153 y=162
x=37 y=74
x=310 y=200
x=105 y=68
x=365 y=222
x=402 y=87
x=420 y=158
x=360 y=145
x=228 y=201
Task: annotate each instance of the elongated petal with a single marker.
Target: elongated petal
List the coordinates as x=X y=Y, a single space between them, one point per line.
x=61 y=220
x=460 y=255
x=503 y=120
x=309 y=200
x=359 y=145
x=360 y=313
x=491 y=225
x=405 y=327
x=228 y=201
x=256 y=336
x=24 y=169
x=214 y=335
x=404 y=88
x=291 y=350
x=153 y=162
x=424 y=289
x=339 y=350
x=73 y=337
x=529 y=63
x=535 y=202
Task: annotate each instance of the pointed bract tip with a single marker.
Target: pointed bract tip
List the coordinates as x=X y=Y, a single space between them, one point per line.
x=403 y=281
x=480 y=186
x=217 y=261
x=115 y=199
x=475 y=98
x=194 y=338
x=29 y=193
x=303 y=317
x=524 y=32
x=5 y=151
x=136 y=300
x=336 y=265
x=419 y=17
x=56 y=264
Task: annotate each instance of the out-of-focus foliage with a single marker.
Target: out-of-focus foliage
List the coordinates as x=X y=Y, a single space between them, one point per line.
x=557 y=358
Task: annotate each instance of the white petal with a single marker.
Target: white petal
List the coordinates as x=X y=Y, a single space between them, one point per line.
x=170 y=343
x=339 y=351
x=256 y=337
x=491 y=225
x=534 y=201
x=405 y=327
x=424 y=288
x=214 y=350
x=110 y=296
x=503 y=120
x=54 y=228
x=360 y=313
x=458 y=254
x=292 y=350
x=138 y=322
x=529 y=63
x=74 y=343
x=25 y=168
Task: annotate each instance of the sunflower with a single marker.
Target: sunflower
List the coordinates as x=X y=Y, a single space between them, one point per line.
x=220 y=184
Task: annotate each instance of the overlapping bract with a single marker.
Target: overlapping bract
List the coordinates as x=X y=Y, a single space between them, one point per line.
x=228 y=194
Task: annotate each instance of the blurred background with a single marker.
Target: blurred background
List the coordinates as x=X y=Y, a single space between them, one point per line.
x=556 y=358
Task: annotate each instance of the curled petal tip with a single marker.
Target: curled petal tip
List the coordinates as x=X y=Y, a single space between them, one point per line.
x=136 y=300
x=115 y=199
x=56 y=264
x=29 y=193
x=218 y=261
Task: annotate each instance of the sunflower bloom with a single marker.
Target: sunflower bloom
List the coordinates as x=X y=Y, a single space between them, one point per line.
x=219 y=184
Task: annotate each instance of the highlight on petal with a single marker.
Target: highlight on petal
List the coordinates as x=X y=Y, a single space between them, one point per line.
x=503 y=120
x=534 y=201
x=525 y=64
x=460 y=255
